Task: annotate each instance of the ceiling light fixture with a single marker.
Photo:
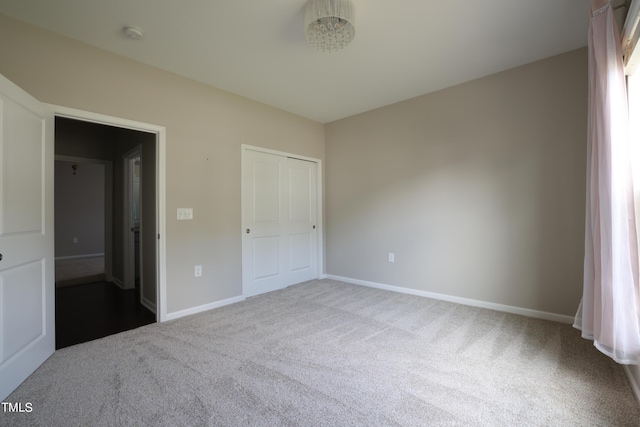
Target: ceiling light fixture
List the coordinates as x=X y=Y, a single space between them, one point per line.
x=329 y=24
x=132 y=32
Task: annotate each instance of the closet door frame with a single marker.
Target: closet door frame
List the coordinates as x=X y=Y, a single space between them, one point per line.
x=248 y=287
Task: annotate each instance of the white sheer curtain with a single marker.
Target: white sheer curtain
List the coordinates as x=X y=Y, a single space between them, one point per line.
x=609 y=312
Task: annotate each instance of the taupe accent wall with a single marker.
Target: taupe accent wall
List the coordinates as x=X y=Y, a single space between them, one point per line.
x=205 y=129
x=79 y=209
x=478 y=190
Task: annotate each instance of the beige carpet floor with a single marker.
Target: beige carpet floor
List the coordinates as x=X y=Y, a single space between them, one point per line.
x=325 y=353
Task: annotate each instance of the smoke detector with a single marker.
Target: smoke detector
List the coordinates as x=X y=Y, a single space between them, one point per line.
x=132 y=32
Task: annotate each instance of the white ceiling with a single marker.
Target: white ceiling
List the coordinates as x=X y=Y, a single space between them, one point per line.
x=256 y=48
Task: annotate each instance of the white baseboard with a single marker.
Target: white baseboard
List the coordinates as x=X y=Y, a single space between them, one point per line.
x=205 y=307
x=633 y=373
x=459 y=300
x=79 y=256
x=148 y=304
x=118 y=283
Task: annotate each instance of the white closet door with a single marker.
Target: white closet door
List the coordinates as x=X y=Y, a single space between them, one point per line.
x=279 y=245
x=301 y=230
x=26 y=236
x=264 y=216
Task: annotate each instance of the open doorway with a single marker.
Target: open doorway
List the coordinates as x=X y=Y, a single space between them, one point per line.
x=112 y=302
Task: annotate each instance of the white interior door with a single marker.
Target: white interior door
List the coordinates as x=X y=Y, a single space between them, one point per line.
x=27 y=330
x=301 y=227
x=263 y=246
x=279 y=245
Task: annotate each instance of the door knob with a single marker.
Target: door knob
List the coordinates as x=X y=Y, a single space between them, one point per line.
x=0 y=257
x=248 y=230
x=314 y=227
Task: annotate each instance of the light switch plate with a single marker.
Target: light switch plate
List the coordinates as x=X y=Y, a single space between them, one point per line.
x=185 y=213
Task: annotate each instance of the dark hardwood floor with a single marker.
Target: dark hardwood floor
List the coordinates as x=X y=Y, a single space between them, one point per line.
x=89 y=312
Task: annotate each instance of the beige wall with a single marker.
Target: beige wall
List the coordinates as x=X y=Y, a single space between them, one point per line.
x=478 y=189
x=205 y=128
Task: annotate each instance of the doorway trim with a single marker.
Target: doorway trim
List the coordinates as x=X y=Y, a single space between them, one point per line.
x=319 y=201
x=161 y=138
x=129 y=279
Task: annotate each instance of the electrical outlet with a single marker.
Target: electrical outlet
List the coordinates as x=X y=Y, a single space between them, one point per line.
x=198 y=271
x=392 y=257
x=185 y=213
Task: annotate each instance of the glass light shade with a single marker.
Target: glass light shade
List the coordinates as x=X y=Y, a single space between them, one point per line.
x=329 y=24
